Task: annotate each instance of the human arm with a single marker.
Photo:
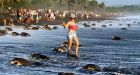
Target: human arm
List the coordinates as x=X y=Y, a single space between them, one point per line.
x=65 y=24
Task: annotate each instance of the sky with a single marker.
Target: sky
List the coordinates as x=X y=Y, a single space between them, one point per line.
x=119 y=2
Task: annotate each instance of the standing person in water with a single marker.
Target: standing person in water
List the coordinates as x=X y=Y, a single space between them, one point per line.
x=72 y=37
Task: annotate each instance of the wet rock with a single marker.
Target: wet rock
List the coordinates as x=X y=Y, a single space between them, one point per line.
x=66 y=73
x=39 y=56
x=116 y=38
x=3 y=32
x=24 y=34
x=92 y=67
x=20 y=62
x=15 y=34
x=60 y=49
x=8 y=29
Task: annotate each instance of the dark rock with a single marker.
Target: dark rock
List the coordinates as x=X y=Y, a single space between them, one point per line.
x=116 y=38
x=24 y=34
x=20 y=62
x=92 y=67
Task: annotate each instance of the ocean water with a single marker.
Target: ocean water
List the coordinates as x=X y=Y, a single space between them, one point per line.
x=97 y=47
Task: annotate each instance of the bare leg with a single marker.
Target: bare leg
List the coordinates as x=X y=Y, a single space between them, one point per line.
x=69 y=45
x=76 y=45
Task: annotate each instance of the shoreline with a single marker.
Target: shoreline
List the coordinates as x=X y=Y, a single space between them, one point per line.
x=45 y=21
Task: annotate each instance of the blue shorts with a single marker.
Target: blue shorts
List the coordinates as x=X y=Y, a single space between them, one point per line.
x=71 y=35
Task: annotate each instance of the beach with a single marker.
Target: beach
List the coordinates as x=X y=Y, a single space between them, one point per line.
x=96 y=47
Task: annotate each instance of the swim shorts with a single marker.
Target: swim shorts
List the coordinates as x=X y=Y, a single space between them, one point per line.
x=71 y=35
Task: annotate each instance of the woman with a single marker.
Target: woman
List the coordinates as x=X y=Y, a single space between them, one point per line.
x=72 y=36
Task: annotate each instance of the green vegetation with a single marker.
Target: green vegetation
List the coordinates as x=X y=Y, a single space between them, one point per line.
x=14 y=3
x=90 y=5
x=128 y=8
x=55 y=4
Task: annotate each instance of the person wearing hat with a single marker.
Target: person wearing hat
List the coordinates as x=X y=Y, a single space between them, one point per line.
x=72 y=36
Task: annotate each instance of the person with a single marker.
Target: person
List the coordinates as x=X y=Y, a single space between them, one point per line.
x=72 y=36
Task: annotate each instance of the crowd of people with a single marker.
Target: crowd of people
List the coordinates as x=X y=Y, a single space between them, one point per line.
x=28 y=15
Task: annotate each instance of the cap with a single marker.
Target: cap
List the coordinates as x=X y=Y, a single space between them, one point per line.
x=72 y=15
